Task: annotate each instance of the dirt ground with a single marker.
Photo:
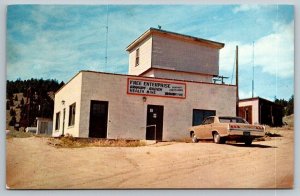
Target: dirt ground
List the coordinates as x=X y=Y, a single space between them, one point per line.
x=33 y=164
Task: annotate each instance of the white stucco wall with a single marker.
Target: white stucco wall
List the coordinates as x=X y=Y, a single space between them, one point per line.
x=255 y=109
x=127 y=113
x=70 y=93
x=145 y=49
x=44 y=123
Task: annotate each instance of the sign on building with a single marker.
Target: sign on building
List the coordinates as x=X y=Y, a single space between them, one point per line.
x=156 y=88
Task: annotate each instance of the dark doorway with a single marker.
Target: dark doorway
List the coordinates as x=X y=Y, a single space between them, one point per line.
x=200 y=115
x=246 y=113
x=98 y=119
x=155 y=116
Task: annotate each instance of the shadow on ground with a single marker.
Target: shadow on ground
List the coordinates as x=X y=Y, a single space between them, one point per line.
x=252 y=146
x=273 y=135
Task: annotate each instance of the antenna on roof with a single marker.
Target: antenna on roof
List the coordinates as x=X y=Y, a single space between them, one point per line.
x=159 y=27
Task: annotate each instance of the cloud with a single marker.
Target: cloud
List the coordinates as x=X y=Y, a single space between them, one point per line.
x=274 y=53
x=244 y=94
x=246 y=7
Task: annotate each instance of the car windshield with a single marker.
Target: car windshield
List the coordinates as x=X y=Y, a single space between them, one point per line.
x=232 y=120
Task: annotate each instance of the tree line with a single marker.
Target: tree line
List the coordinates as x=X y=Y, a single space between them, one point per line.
x=36 y=100
x=288 y=105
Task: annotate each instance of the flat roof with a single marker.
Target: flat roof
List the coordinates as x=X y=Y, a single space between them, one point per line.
x=256 y=98
x=170 y=34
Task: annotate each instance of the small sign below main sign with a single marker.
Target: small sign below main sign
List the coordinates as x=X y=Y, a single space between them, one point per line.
x=156 y=88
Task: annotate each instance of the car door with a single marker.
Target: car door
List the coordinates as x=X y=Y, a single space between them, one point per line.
x=202 y=129
x=206 y=133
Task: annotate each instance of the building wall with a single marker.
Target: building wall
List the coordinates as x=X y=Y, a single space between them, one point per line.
x=127 y=113
x=145 y=49
x=178 y=75
x=255 y=109
x=181 y=55
x=70 y=93
x=44 y=126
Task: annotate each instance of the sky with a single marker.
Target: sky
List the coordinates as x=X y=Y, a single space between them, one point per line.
x=56 y=42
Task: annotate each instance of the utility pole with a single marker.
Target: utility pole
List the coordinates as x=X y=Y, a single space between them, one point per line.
x=253 y=70
x=106 y=44
x=237 y=79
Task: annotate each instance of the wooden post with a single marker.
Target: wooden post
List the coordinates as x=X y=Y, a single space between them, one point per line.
x=237 y=79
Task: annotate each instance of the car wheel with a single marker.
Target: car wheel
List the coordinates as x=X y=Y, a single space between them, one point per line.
x=248 y=142
x=194 y=138
x=217 y=138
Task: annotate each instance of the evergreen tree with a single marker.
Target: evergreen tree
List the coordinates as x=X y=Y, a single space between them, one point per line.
x=11 y=101
x=12 y=112
x=22 y=101
x=12 y=121
x=16 y=97
x=39 y=103
x=290 y=106
x=7 y=105
x=287 y=105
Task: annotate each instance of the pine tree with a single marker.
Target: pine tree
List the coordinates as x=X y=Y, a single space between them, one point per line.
x=290 y=106
x=7 y=105
x=16 y=97
x=11 y=102
x=12 y=121
x=22 y=101
x=12 y=112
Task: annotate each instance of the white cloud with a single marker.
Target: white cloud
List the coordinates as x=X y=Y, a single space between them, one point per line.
x=274 y=53
x=244 y=94
x=246 y=7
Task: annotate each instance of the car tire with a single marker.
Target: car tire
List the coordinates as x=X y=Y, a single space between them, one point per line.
x=217 y=138
x=194 y=138
x=248 y=142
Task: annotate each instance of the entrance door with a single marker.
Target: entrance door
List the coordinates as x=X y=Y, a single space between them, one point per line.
x=246 y=113
x=64 y=116
x=98 y=119
x=154 y=128
x=200 y=115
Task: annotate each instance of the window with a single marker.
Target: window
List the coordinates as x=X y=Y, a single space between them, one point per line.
x=137 y=57
x=231 y=120
x=199 y=115
x=72 y=114
x=57 y=121
x=208 y=121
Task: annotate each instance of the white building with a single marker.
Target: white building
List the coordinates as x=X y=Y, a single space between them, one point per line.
x=169 y=88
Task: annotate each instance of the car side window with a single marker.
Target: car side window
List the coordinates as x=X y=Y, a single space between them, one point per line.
x=208 y=121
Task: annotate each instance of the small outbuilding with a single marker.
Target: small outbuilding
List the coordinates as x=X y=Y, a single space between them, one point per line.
x=44 y=126
x=261 y=111
x=169 y=87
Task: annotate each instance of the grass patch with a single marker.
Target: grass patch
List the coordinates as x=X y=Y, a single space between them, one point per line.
x=71 y=142
x=18 y=134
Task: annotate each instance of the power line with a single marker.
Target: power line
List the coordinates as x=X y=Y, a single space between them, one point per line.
x=106 y=43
